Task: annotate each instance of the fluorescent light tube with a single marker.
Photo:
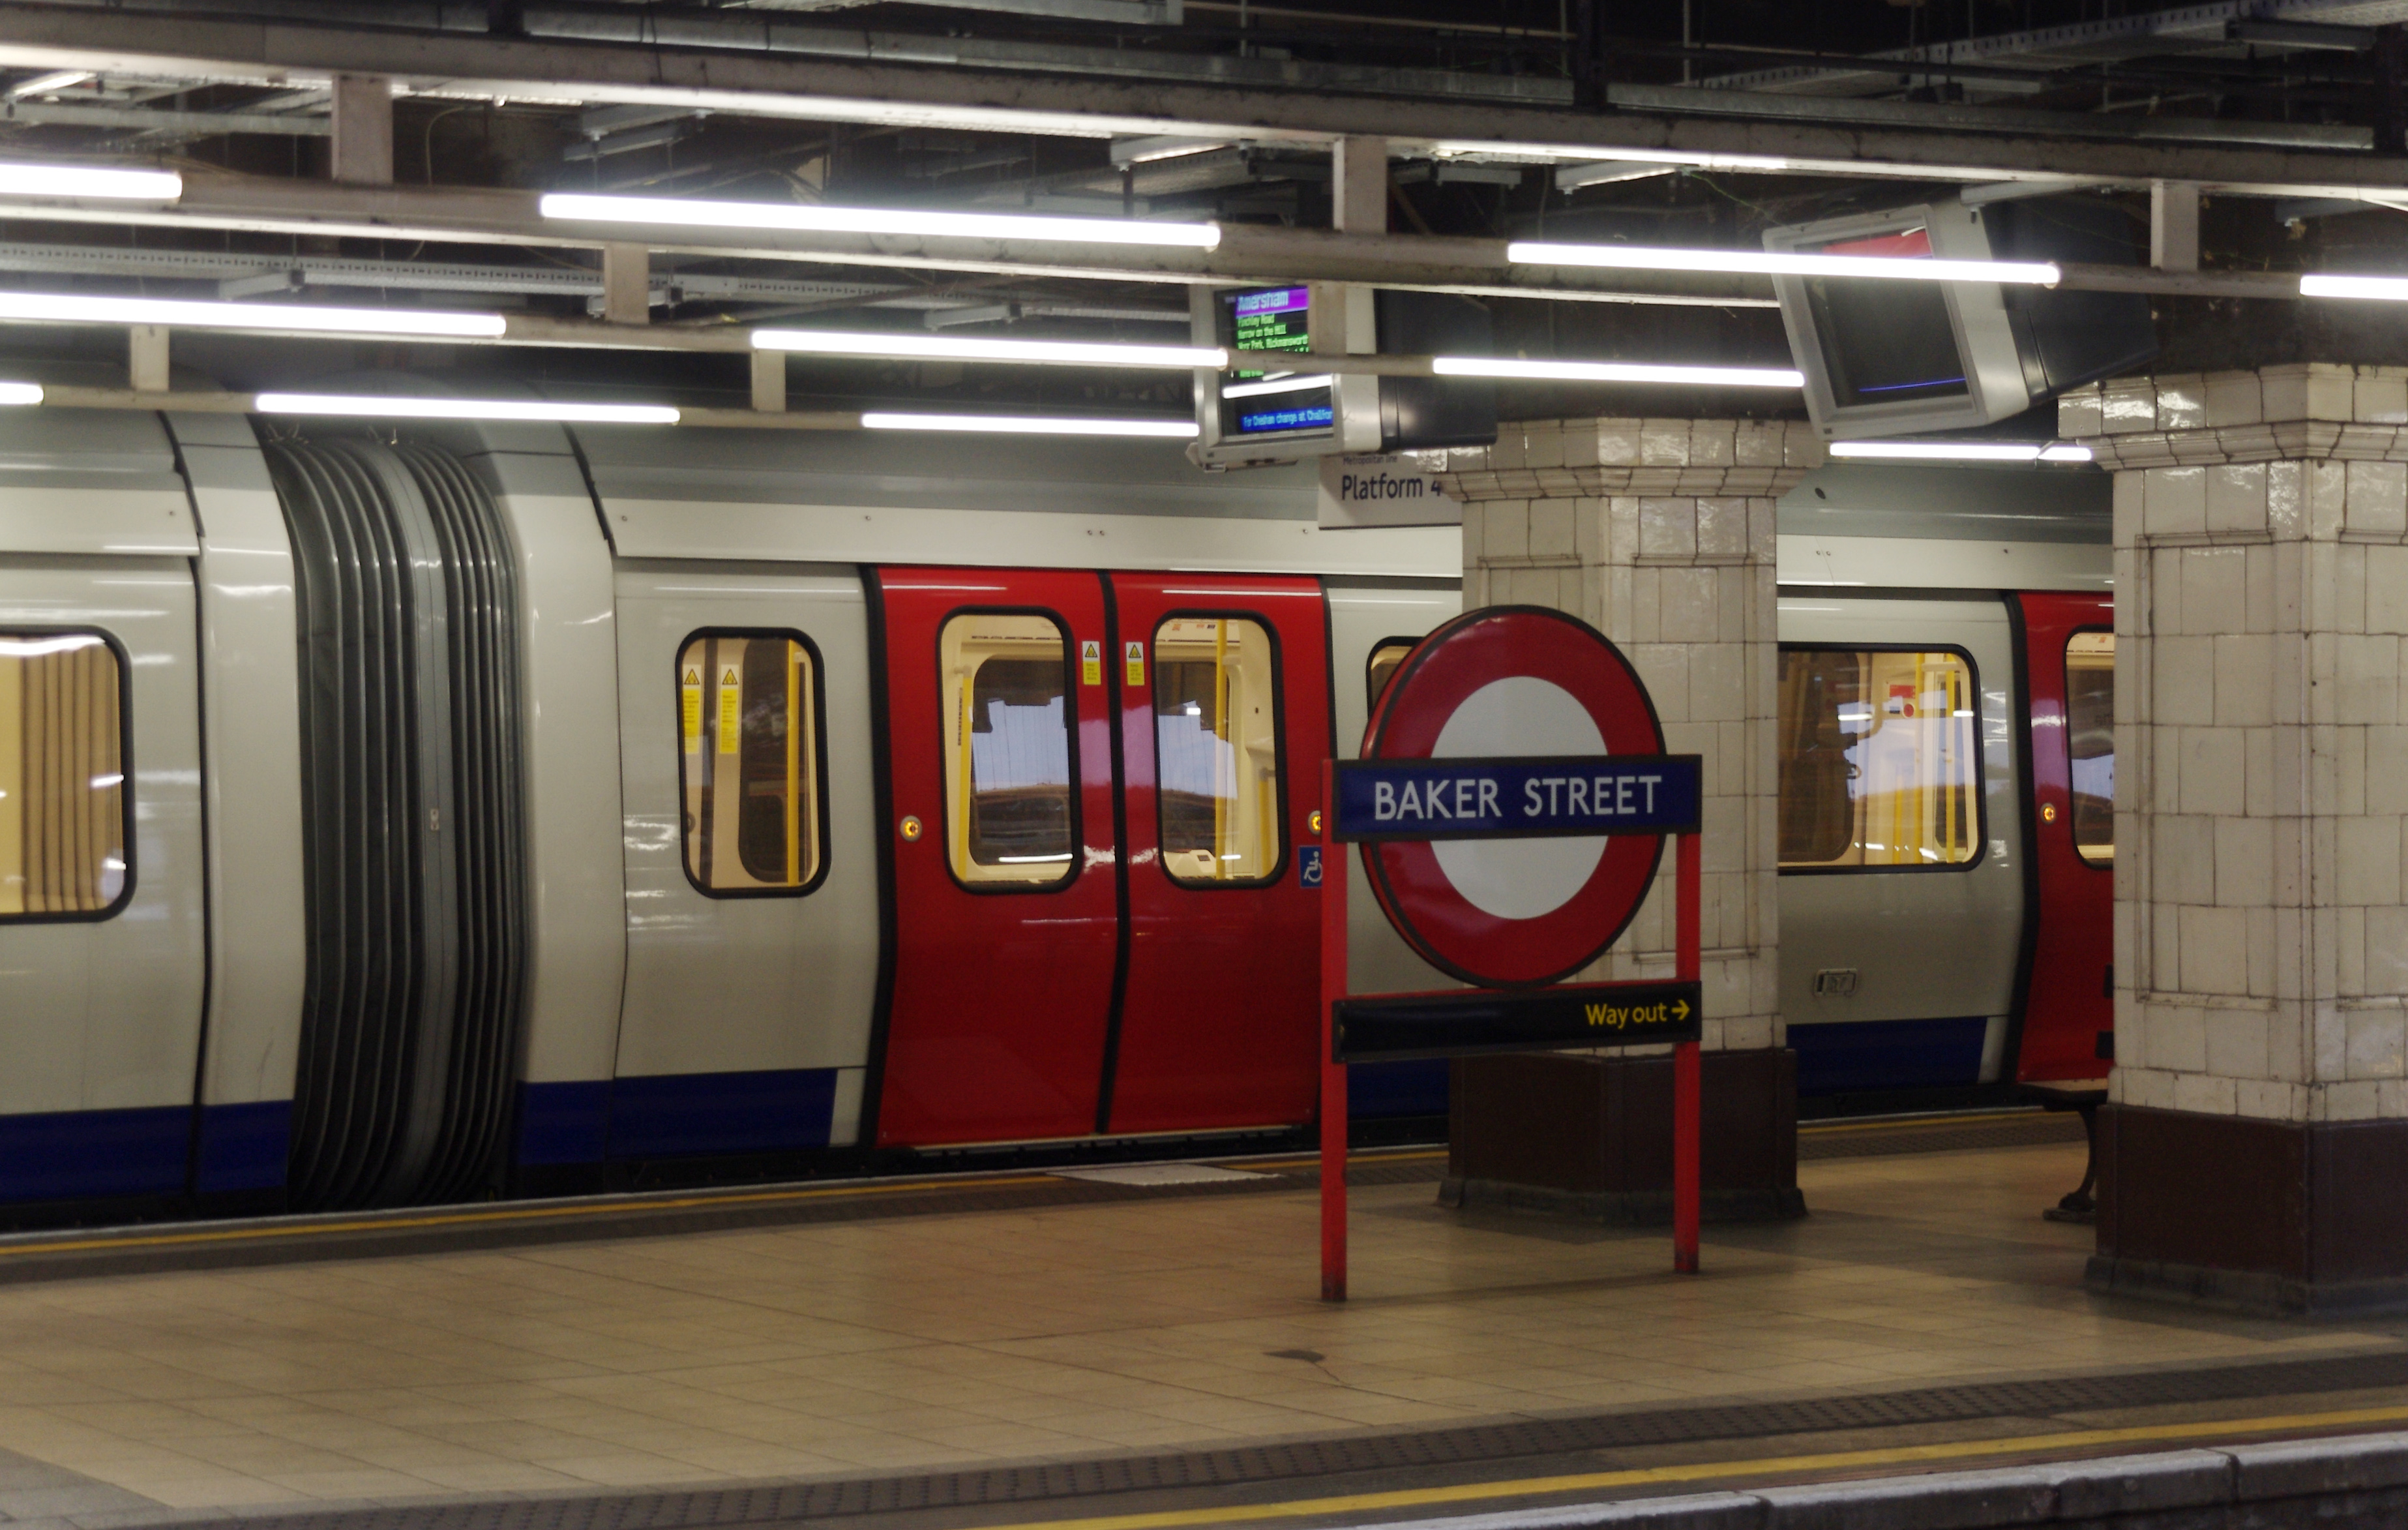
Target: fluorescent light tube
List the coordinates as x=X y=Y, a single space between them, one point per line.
x=1025 y=426
x=838 y=342
x=20 y=393
x=65 y=308
x=1640 y=257
x=90 y=181
x=1290 y=383
x=377 y=406
x=1617 y=372
x=684 y=213
x=1959 y=451
x=57 y=79
x=2386 y=288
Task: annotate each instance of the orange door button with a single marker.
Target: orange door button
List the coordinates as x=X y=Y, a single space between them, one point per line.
x=2048 y=812
x=911 y=827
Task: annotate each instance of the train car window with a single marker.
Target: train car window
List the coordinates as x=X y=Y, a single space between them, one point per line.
x=2090 y=736
x=1879 y=763
x=1386 y=659
x=752 y=762
x=1009 y=785
x=1216 y=737
x=62 y=776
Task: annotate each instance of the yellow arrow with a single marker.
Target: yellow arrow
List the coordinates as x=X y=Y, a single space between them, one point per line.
x=1680 y=1009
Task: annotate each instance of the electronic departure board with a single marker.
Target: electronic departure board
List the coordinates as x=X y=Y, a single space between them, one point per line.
x=1272 y=400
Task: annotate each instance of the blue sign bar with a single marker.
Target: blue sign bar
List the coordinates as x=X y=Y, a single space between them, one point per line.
x=1519 y=797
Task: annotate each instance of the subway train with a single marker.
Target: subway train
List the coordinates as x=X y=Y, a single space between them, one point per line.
x=487 y=809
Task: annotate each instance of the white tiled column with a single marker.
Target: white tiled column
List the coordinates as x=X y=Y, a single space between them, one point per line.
x=2262 y=941
x=1659 y=533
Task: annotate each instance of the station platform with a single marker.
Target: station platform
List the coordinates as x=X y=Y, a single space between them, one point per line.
x=1117 y=1349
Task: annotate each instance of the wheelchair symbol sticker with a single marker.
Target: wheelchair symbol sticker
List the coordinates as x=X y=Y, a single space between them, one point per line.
x=1308 y=865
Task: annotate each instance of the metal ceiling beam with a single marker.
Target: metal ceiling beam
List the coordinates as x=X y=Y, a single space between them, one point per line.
x=182 y=123
x=940 y=94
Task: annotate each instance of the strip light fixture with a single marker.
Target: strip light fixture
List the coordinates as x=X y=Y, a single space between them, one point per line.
x=902 y=347
x=681 y=212
x=284 y=318
x=1291 y=383
x=1617 y=372
x=1960 y=451
x=14 y=394
x=1642 y=257
x=375 y=407
x=1010 y=425
x=85 y=181
x=2392 y=289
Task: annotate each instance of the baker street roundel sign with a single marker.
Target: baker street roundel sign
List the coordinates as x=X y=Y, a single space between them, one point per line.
x=1516 y=681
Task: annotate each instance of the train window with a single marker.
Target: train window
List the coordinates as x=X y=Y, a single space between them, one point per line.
x=62 y=776
x=1012 y=815
x=751 y=765
x=1385 y=658
x=1879 y=763
x=1216 y=740
x=2090 y=736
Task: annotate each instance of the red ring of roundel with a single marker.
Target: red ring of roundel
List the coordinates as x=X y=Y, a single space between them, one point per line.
x=1441 y=926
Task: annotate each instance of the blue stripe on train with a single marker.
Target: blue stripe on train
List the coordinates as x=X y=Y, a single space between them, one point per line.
x=80 y=1155
x=1376 y=1089
x=244 y=1147
x=676 y=1115
x=1860 y=1054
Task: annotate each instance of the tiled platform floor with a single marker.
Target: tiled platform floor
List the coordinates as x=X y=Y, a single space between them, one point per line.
x=940 y=1341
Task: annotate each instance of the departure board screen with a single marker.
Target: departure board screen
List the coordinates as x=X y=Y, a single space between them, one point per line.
x=1270 y=400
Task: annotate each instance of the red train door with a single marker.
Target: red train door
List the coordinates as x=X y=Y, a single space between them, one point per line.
x=1223 y=690
x=1006 y=873
x=2070 y=663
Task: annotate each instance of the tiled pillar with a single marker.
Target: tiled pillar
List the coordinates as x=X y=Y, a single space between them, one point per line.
x=2255 y=1148
x=1660 y=534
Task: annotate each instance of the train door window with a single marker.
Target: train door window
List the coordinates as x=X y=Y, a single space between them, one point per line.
x=1878 y=762
x=2090 y=738
x=752 y=762
x=1216 y=739
x=1385 y=661
x=62 y=776
x=1011 y=818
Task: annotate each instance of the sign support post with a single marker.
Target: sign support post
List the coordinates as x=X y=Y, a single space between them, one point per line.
x=1334 y=874
x=1686 y=1066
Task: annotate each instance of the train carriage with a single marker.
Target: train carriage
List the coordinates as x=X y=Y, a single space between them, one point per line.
x=511 y=810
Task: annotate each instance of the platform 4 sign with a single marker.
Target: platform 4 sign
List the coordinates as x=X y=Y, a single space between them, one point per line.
x=1526 y=797
x=1396 y=1026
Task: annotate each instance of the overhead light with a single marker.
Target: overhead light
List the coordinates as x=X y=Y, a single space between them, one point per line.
x=1960 y=451
x=68 y=308
x=2391 y=289
x=1454 y=148
x=20 y=393
x=90 y=181
x=381 y=408
x=841 y=342
x=684 y=213
x=1617 y=372
x=1025 y=426
x=1569 y=178
x=48 y=84
x=1293 y=383
x=1640 y=257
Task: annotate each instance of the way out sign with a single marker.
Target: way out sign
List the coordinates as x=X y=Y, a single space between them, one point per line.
x=1511 y=804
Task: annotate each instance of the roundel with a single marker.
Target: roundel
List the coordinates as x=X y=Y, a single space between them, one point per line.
x=1506 y=681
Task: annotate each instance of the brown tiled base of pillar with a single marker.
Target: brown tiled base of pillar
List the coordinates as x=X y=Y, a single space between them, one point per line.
x=1592 y=1137
x=2296 y=1219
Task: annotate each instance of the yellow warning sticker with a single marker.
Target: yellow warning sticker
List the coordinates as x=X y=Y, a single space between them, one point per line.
x=1134 y=653
x=690 y=706
x=1091 y=663
x=731 y=709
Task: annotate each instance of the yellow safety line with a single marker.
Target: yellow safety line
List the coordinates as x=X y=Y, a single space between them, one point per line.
x=1706 y=1471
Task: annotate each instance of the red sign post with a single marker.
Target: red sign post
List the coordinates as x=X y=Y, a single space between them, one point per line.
x=1511 y=726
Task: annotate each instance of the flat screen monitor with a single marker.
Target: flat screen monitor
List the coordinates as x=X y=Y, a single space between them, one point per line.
x=1884 y=357
x=1274 y=398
